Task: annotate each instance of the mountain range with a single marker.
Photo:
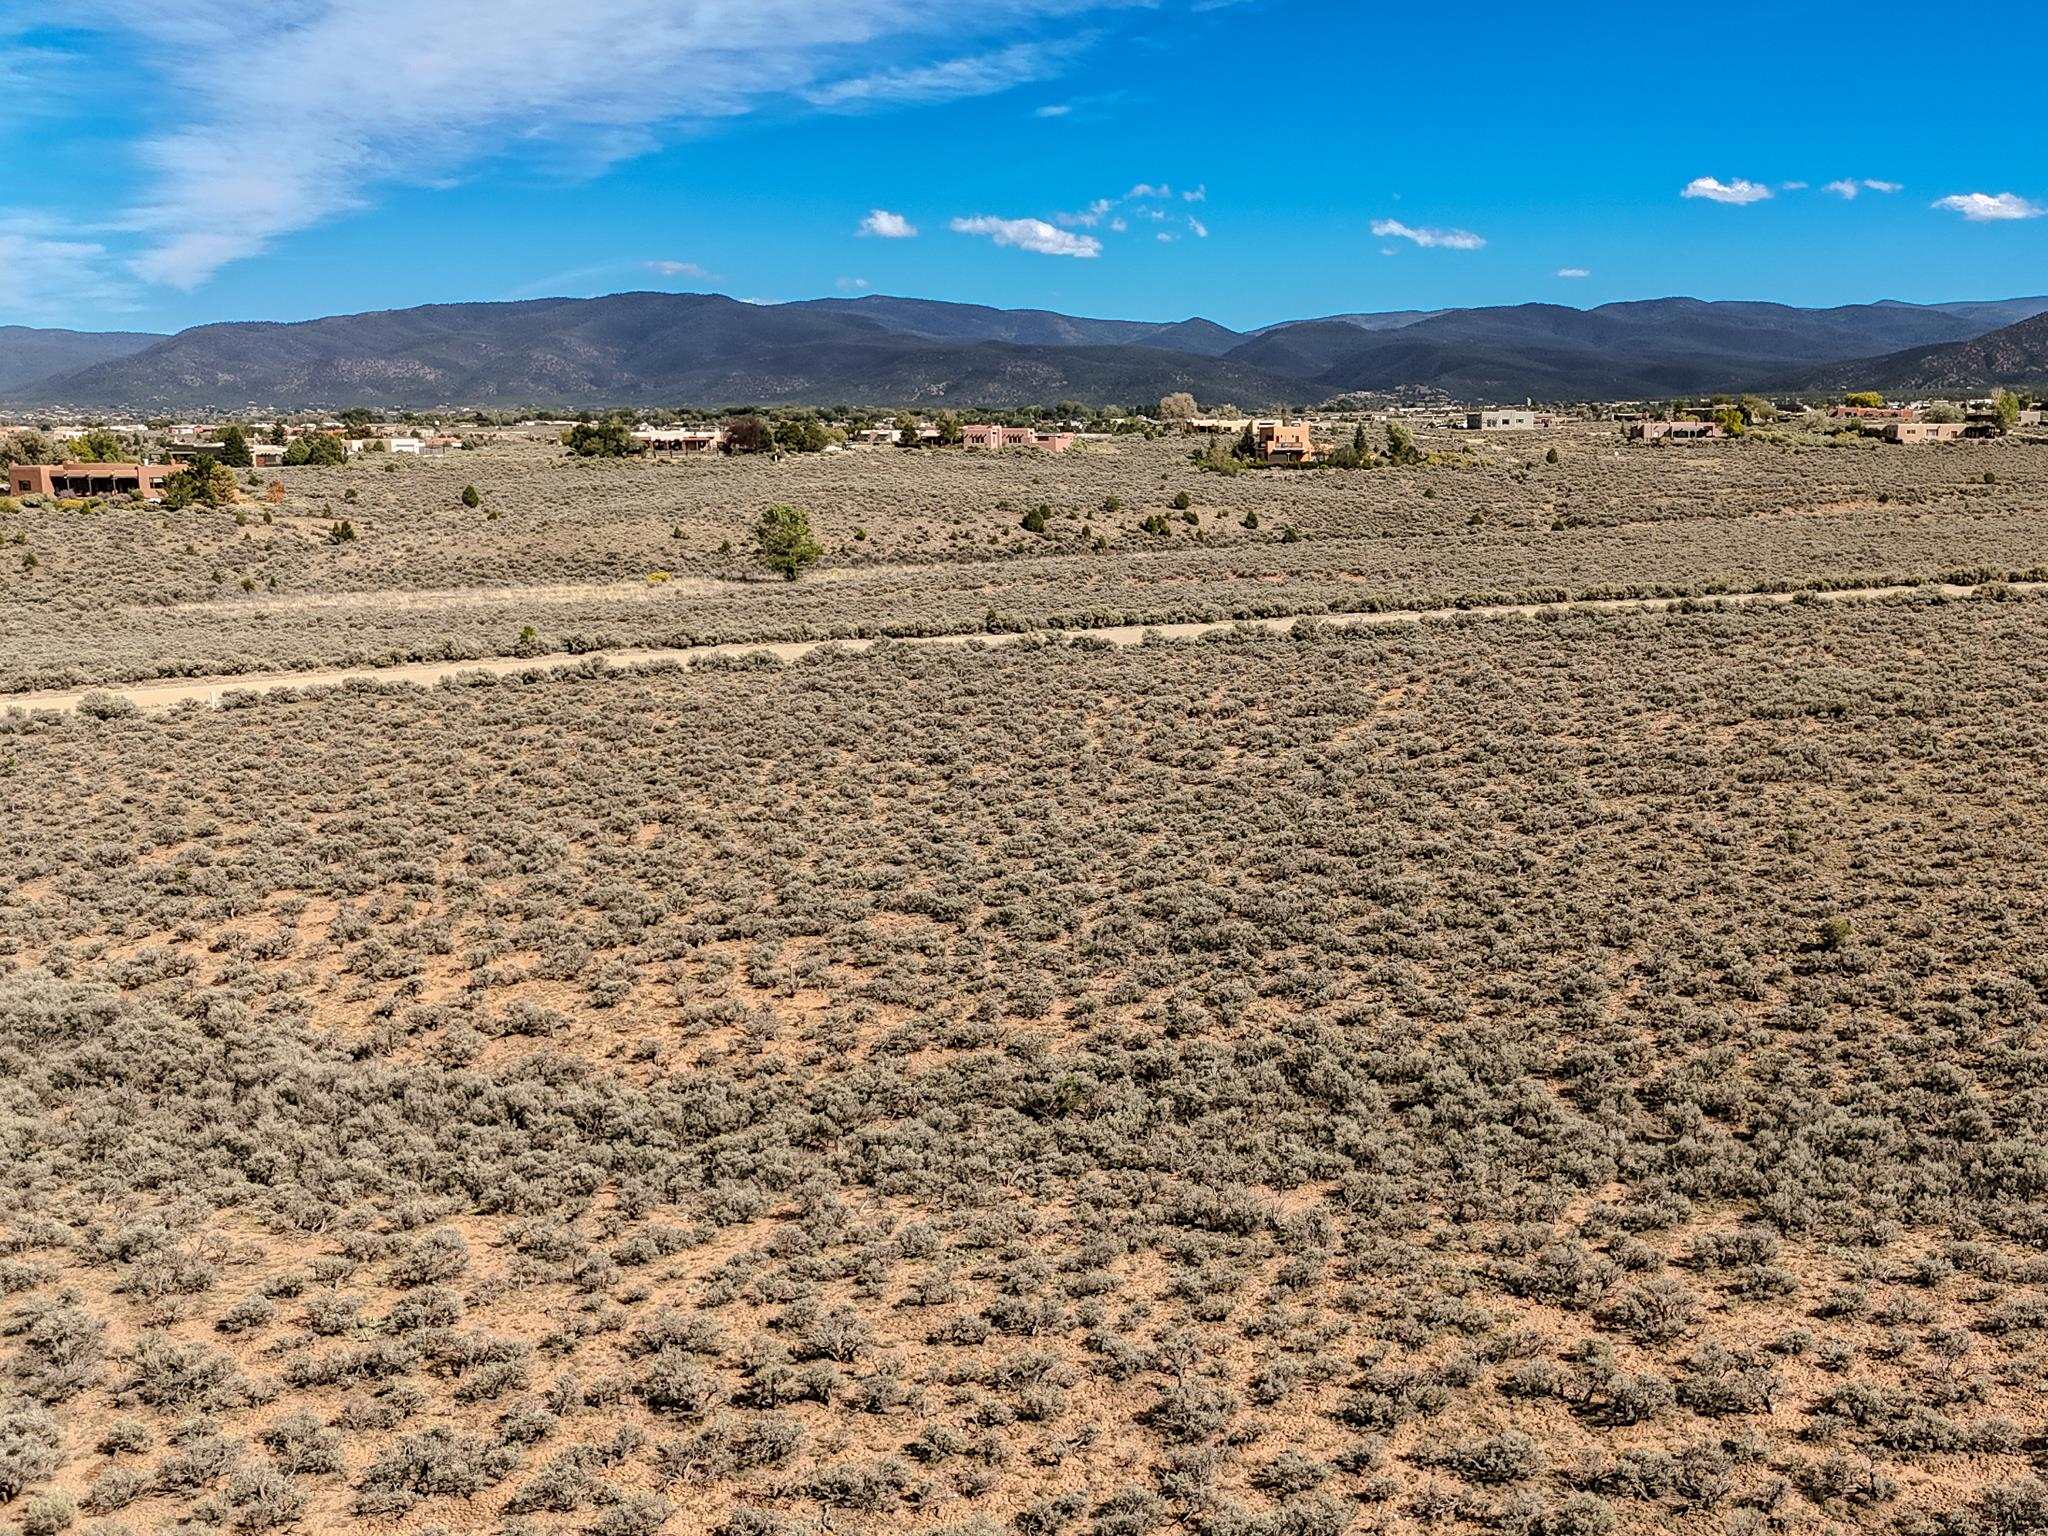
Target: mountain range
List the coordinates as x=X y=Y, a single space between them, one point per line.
x=706 y=349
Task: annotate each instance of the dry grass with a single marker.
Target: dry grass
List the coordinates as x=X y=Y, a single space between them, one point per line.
x=925 y=542
x=1550 y=1077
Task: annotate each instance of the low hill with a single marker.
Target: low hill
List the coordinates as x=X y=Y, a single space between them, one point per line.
x=707 y=349
x=938 y=320
x=29 y=354
x=625 y=348
x=1648 y=347
x=2013 y=354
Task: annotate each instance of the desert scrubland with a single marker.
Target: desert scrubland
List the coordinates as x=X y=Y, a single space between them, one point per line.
x=1545 y=1076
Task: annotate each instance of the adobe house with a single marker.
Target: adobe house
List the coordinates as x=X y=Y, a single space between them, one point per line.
x=1925 y=431
x=67 y=480
x=1281 y=442
x=1673 y=431
x=1500 y=421
x=985 y=435
x=681 y=439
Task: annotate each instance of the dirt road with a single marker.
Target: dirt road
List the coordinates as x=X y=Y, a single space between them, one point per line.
x=163 y=694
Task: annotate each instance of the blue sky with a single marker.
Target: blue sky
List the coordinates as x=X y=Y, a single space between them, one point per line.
x=1250 y=161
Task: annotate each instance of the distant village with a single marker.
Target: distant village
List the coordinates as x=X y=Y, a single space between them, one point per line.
x=87 y=459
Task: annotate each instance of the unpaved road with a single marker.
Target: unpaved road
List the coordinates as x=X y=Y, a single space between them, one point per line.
x=168 y=693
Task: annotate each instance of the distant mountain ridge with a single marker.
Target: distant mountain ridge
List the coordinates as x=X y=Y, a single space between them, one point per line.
x=29 y=355
x=706 y=349
x=2013 y=354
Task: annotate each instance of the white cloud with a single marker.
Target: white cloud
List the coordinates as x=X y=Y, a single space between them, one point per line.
x=358 y=97
x=676 y=269
x=1982 y=207
x=1196 y=194
x=1088 y=217
x=1792 y=186
x=1146 y=189
x=1573 y=272
x=1118 y=225
x=1030 y=235
x=947 y=80
x=1714 y=190
x=1166 y=237
x=1847 y=189
x=851 y=284
x=1054 y=109
x=44 y=276
x=1447 y=239
x=1198 y=229
x=884 y=225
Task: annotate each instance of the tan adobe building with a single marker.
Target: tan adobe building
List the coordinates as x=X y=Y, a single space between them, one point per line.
x=1925 y=431
x=1673 y=431
x=1283 y=442
x=681 y=439
x=984 y=435
x=145 y=480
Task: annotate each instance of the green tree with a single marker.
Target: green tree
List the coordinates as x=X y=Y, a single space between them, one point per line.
x=1401 y=444
x=951 y=429
x=234 y=448
x=1247 y=444
x=203 y=482
x=2005 y=410
x=1869 y=399
x=26 y=448
x=801 y=434
x=906 y=432
x=472 y=497
x=97 y=446
x=607 y=439
x=1729 y=419
x=357 y=420
x=783 y=542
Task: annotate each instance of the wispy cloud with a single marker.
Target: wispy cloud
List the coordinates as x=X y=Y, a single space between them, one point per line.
x=666 y=268
x=1054 y=109
x=1573 y=272
x=1715 y=190
x=1196 y=194
x=881 y=224
x=947 y=80
x=851 y=284
x=44 y=276
x=1445 y=239
x=1197 y=228
x=1847 y=190
x=357 y=97
x=1088 y=217
x=1148 y=189
x=1990 y=207
x=1030 y=235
